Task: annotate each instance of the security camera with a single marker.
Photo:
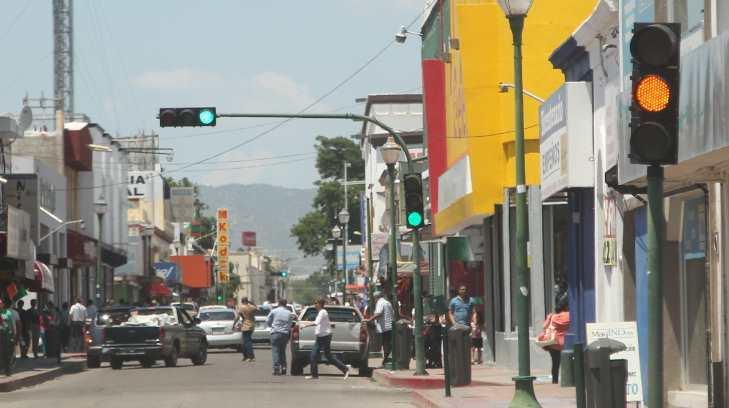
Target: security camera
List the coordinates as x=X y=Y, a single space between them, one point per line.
x=503 y=88
x=402 y=35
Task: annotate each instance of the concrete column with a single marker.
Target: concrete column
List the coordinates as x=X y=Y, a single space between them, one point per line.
x=536 y=265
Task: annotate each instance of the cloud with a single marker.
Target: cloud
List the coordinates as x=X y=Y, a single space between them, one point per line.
x=177 y=79
x=276 y=92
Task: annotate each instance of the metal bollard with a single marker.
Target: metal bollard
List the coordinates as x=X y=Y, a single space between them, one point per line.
x=606 y=378
x=404 y=343
x=459 y=359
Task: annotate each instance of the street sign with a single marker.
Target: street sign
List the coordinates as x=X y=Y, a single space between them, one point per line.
x=223 y=245
x=626 y=333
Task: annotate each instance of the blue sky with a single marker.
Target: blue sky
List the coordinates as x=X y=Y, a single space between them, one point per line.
x=135 y=56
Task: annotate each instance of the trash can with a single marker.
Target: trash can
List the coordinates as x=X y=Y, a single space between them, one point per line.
x=433 y=335
x=606 y=378
x=459 y=354
x=567 y=369
x=403 y=342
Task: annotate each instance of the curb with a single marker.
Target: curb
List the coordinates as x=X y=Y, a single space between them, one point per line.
x=421 y=401
x=384 y=378
x=67 y=367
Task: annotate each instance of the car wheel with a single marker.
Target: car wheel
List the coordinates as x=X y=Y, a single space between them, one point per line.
x=93 y=362
x=297 y=367
x=147 y=362
x=116 y=363
x=171 y=359
x=202 y=354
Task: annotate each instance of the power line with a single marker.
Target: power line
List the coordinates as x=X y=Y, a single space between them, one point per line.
x=504 y=132
x=15 y=20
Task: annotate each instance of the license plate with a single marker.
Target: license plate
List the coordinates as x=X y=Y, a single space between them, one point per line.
x=218 y=330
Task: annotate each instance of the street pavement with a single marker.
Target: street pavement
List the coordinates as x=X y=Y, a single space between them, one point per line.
x=223 y=382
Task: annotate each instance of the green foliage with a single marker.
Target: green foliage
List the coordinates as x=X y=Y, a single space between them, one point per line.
x=306 y=291
x=314 y=228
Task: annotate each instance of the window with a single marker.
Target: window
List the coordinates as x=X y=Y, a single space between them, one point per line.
x=690 y=13
x=555 y=228
x=217 y=315
x=336 y=314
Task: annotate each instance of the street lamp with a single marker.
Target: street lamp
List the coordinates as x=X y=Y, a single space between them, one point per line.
x=344 y=220
x=336 y=233
x=100 y=209
x=515 y=11
x=390 y=152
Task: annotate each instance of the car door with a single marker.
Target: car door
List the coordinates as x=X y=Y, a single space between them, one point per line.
x=345 y=323
x=192 y=333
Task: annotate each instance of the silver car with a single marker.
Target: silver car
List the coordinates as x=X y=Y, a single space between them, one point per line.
x=217 y=321
x=261 y=332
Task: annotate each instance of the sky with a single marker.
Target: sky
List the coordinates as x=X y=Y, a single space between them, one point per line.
x=132 y=57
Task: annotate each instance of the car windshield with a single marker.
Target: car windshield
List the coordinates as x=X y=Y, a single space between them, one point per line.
x=153 y=316
x=336 y=314
x=112 y=317
x=217 y=315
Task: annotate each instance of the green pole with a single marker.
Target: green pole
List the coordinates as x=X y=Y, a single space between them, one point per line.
x=371 y=286
x=344 y=263
x=418 y=299
x=656 y=231
x=393 y=265
x=524 y=393
x=335 y=273
x=99 y=267
x=446 y=366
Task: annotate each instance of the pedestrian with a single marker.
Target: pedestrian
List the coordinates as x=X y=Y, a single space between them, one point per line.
x=25 y=320
x=7 y=334
x=77 y=315
x=53 y=332
x=460 y=309
x=91 y=310
x=246 y=313
x=279 y=320
x=323 y=333
x=551 y=339
x=65 y=327
x=383 y=316
x=34 y=316
x=476 y=338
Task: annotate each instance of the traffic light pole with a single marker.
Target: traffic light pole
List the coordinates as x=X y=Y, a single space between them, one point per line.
x=656 y=235
x=393 y=267
x=418 y=299
x=393 y=223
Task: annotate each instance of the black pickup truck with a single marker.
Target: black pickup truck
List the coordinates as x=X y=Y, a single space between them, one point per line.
x=154 y=333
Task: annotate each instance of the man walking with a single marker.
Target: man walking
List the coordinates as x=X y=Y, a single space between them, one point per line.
x=323 y=332
x=25 y=322
x=246 y=312
x=77 y=315
x=34 y=316
x=279 y=320
x=460 y=309
x=7 y=335
x=383 y=317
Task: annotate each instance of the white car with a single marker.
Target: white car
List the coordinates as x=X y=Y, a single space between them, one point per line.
x=217 y=321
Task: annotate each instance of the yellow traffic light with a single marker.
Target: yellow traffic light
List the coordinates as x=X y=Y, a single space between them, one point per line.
x=652 y=93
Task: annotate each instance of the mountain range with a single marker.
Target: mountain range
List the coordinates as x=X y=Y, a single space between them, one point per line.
x=268 y=210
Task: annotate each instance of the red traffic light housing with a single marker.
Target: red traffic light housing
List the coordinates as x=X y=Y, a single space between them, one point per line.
x=656 y=49
x=187 y=117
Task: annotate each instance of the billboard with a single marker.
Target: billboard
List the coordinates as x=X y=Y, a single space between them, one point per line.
x=223 y=244
x=22 y=192
x=182 y=200
x=248 y=238
x=18 y=237
x=140 y=184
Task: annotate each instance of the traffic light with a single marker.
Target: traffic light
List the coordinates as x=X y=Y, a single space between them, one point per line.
x=187 y=117
x=220 y=298
x=656 y=49
x=414 y=213
x=284 y=274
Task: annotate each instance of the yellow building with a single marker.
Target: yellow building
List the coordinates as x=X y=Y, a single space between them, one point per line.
x=473 y=40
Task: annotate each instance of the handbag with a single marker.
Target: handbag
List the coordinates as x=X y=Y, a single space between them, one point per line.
x=548 y=336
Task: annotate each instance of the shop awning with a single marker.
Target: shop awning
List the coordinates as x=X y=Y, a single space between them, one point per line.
x=159 y=289
x=43 y=277
x=196 y=270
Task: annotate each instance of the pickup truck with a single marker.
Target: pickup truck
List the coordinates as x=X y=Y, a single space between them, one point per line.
x=349 y=339
x=153 y=333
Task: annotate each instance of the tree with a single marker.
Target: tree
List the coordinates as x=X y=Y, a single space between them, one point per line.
x=308 y=290
x=314 y=229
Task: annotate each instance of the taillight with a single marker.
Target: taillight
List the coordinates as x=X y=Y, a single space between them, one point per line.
x=295 y=333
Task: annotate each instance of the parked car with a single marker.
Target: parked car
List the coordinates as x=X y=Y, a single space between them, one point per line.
x=217 y=321
x=261 y=332
x=94 y=333
x=154 y=333
x=349 y=338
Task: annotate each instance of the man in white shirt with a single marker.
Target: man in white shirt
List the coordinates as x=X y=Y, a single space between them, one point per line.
x=383 y=317
x=77 y=315
x=323 y=332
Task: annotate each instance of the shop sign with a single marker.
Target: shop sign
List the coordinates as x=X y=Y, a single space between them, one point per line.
x=566 y=139
x=626 y=333
x=18 y=237
x=22 y=192
x=223 y=245
x=140 y=184
x=248 y=238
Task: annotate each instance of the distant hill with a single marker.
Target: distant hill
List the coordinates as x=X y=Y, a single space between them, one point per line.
x=268 y=210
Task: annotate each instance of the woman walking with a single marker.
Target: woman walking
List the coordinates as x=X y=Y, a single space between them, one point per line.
x=323 y=332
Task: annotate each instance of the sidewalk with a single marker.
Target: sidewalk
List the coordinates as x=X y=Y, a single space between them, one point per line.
x=490 y=387
x=34 y=371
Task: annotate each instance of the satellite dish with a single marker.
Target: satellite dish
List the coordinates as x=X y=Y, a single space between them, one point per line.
x=26 y=118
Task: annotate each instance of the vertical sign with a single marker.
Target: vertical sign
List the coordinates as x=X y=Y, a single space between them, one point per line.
x=223 y=244
x=626 y=333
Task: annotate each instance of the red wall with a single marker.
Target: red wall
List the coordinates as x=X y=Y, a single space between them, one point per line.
x=435 y=124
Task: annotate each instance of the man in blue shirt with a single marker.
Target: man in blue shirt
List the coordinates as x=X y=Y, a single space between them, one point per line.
x=279 y=320
x=461 y=308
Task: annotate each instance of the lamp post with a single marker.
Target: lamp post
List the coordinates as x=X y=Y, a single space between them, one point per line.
x=100 y=209
x=336 y=233
x=390 y=152
x=344 y=220
x=516 y=11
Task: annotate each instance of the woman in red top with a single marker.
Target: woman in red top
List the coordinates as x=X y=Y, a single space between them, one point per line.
x=557 y=322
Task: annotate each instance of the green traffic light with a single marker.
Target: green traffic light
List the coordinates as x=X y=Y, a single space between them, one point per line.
x=415 y=219
x=206 y=117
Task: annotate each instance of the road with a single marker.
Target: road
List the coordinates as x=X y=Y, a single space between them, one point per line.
x=223 y=382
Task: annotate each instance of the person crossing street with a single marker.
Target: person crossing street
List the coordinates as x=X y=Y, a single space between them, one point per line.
x=323 y=332
x=279 y=320
x=246 y=312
